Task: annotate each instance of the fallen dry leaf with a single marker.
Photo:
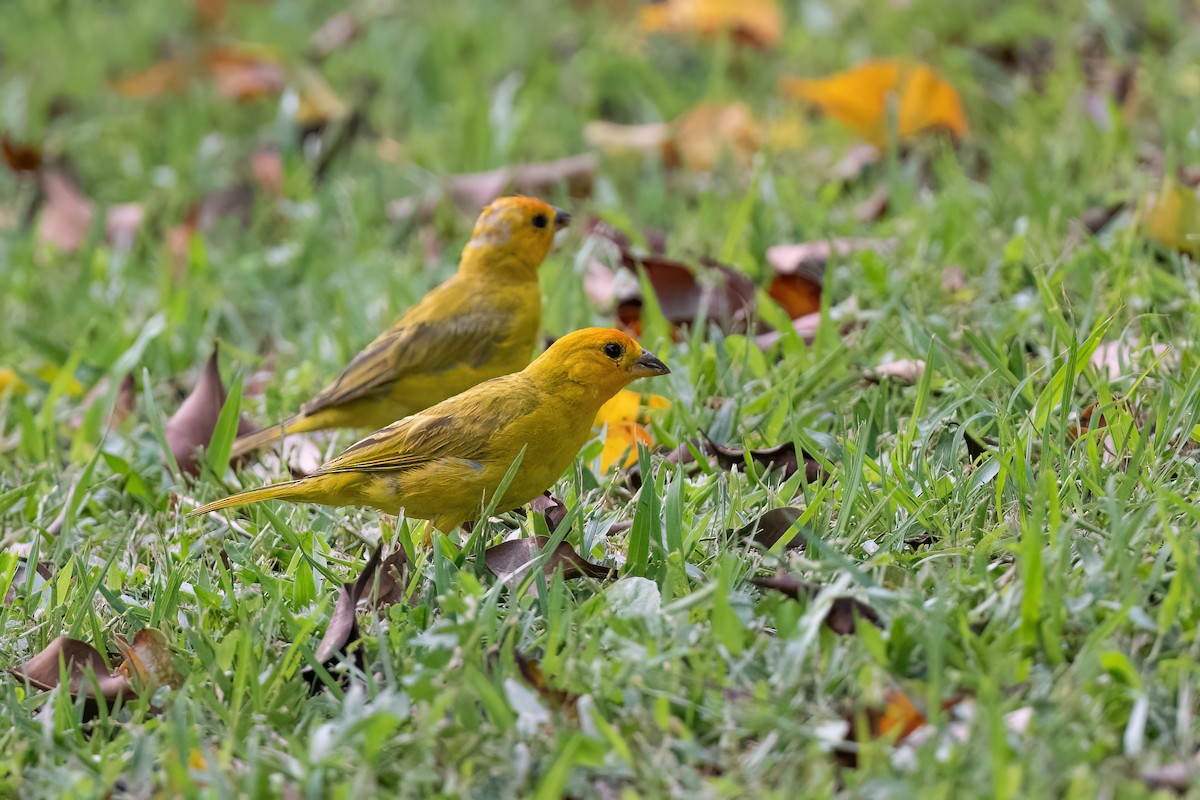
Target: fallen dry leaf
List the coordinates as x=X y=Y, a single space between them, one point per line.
x=859 y=98
x=209 y=12
x=782 y=457
x=551 y=508
x=393 y=575
x=244 y=73
x=342 y=632
x=191 y=426
x=615 y=139
x=148 y=658
x=769 y=528
x=165 y=77
x=66 y=214
x=335 y=33
x=510 y=561
x=266 y=168
x=19 y=157
x=124 y=406
x=122 y=223
x=758 y=23
x=908 y=370
x=843 y=612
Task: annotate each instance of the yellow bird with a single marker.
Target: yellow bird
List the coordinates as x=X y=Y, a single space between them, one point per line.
x=479 y=324
x=445 y=463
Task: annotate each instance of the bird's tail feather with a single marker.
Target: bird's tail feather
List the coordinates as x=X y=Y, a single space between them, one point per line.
x=289 y=490
x=269 y=435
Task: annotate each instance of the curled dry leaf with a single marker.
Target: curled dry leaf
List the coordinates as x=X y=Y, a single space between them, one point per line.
x=773 y=526
x=781 y=457
x=124 y=406
x=165 y=77
x=843 y=612
x=122 y=223
x=859 y=98
x=148 y=657
x=758 y=23
x=908 y=370
x=191 y=426
x=800 y=269
x=20 y=157
x=725 y=295
x=393 y=576
x=551 y=508
x=509 y=561
x=342 y=632
x=245 y=74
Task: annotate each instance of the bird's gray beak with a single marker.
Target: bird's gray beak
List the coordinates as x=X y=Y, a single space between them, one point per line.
x=648 y=365
x=561 y=218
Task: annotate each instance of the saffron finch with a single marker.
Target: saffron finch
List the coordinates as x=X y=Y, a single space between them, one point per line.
x=445 y=463
x=479 y=324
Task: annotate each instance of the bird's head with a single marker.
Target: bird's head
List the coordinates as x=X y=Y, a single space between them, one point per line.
x=512 y=237
x=595 y=363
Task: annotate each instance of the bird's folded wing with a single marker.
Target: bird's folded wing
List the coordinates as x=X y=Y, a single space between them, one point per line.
x=463 y=427
x=425 y=347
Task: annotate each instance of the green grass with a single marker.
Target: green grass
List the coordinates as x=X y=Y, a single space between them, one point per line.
x=1044 y=577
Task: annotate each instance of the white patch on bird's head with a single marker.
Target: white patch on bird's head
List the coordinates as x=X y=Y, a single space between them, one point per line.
x=492 y=230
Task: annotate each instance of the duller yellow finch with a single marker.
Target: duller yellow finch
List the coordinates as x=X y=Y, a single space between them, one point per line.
x=445 y=463
x=479 y=324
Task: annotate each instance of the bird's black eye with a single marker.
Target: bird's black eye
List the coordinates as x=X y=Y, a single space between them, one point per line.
x=613 y=350
x=540 y=221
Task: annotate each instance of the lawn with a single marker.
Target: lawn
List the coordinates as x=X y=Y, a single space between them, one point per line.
x=989 y=397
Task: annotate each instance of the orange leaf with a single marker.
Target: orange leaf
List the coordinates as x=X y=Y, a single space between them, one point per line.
x=754 y=22
x=165 y=77
x=620 y=444
x=796 y=293
x=859 y=99
x=899 y=716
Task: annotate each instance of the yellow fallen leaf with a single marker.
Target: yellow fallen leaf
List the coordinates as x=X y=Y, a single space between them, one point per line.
x=754 y=22
x=49 y=374
x=627 y=406
x=620 y=444
x=318 y=102
x=859 y=99
x=1173 y=218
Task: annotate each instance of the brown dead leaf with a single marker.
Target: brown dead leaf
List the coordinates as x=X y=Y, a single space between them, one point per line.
x=124 y=406
x=66 y=214
x=551 y=508
x=209 y=12
x=906 y=371
x=80 y=658
x=19 y=157
x=859 y=98
x=393 y=576
x=342 y=633
x=875 y=207
x=122 y=223
x=510 y=561
x=812 y=258
x=772 y=526
x=843 y=613
x=266 y=168
x=782 y=458
x=191 y=426
x=758 y=23
x=149 y=659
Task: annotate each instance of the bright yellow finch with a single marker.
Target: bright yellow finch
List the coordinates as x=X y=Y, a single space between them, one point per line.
x=445 y=463
x=479 y=324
